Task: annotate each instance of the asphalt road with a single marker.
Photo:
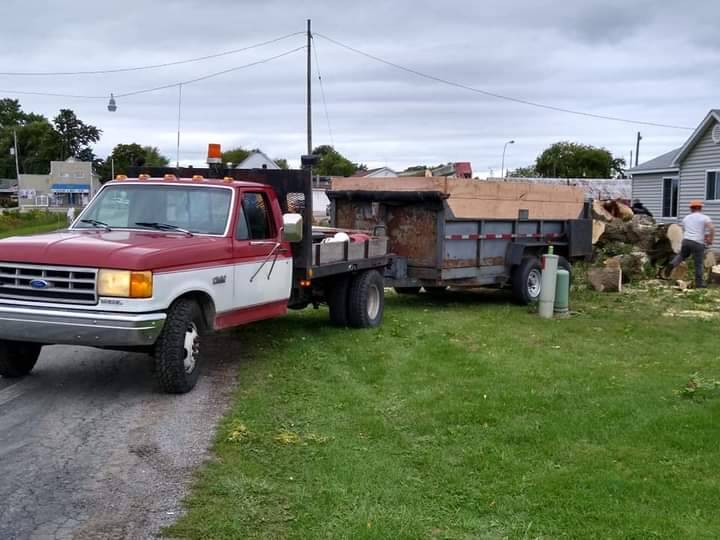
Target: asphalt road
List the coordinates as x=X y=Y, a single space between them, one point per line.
x=89 y=448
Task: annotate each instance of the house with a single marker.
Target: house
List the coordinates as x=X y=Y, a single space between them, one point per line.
x=70 y=183
x=8 y=192
x=380 y=172
x=460 y=169
x=257 y=160
x=667 y=184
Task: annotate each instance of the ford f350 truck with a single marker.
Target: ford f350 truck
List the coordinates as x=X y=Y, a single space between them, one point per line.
x=156 y=262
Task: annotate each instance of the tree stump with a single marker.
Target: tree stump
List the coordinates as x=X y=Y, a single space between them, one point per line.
x=605 y=279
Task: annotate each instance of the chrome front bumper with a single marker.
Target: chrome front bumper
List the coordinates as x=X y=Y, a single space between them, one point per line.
x=66 y=327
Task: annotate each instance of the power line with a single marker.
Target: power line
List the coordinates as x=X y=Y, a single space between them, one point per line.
x=322 y=92
x=495 y=95
x=146 y=67
x=156 y=88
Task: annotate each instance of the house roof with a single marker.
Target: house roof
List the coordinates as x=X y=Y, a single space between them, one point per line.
x=248 y=161
x=362 y=173
x=659 y=164
x=712 y=116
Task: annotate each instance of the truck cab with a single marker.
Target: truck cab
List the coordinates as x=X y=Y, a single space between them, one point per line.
x=153 y=264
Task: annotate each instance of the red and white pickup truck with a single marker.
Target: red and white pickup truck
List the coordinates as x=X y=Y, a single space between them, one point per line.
x=155 y=263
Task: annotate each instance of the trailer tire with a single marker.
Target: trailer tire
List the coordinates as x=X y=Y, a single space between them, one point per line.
x=336 y=295
x=367 y=300
x=18 y=358
x=407 y=290
x=177 y=351
x=526 y=281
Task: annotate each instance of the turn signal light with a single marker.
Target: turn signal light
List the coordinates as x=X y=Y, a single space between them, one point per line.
x=197 y=177
x=143 y=176
x=228 y=179
x=305 y=283
x=170 y=177
x=120 y=177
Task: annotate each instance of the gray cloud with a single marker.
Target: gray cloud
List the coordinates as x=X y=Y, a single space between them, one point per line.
x=653 y=61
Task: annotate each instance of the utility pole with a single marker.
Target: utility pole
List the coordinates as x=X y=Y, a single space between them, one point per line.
x=309 y=89
x=17 y=162
x=637 y=148
x=177 y=150
x=630 y=162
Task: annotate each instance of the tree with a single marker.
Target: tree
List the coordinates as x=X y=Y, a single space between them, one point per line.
x=125 y=156
x=573 y=160
x=236 y=155
x=333 y=163
x=525 y=172
x=74 y=133
x=282 y=163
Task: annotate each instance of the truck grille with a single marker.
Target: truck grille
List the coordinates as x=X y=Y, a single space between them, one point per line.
x=48 y=283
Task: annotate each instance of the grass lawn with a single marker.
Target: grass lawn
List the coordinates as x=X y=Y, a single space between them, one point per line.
x=468 y=417
x=15 y=224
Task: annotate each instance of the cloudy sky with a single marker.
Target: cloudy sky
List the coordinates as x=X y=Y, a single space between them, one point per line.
x=654 y=61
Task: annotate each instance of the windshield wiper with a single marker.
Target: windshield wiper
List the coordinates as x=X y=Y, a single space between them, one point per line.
x=96 y=223
x=163 y=227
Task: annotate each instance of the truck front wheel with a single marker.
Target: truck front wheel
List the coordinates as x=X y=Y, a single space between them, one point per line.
x=18 y=358
x=367 y=300
x=177 y=351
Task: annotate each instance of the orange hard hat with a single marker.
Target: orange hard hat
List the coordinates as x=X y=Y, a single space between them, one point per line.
x=695 y=203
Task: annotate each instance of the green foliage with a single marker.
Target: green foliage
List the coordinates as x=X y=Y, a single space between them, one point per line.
x=131 y=155
x=236 y=155
x=525 y=172
x=465 y=417
x=282 y=163
x=18 y=223
x=40 y=141
x=574 y=160
x=333 y=163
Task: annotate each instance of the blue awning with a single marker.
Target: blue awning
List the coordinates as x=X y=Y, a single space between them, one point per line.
x=70 y=188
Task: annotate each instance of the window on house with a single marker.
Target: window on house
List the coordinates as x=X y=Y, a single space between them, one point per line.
x=256 y=210
x=670 y=197
x=712 y=191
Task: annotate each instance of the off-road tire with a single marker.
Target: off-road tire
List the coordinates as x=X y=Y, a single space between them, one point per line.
x=18 y=358
x=170 y=351
x=367 y=300
x=336 y=294
x=520 y=277
x=407 y=290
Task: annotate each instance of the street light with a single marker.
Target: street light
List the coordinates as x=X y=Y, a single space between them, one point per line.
x=502 y=167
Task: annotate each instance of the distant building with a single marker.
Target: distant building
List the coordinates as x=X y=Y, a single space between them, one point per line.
x=380 y=172
x=70 y=183
x=8 y=191
x=258 y=160
x=461 y=169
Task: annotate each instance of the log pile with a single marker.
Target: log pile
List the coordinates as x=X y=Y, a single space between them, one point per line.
x=633 y=245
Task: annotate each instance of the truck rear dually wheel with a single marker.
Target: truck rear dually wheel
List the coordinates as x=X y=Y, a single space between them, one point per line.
x=18 y=358
x=367 y=300
x=177 y=351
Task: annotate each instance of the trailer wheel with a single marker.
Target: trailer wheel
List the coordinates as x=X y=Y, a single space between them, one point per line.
x=177 y=351
x=407 y=290
x=367 y=300
x=18 y=358
x=336 y=295
x=526 y=281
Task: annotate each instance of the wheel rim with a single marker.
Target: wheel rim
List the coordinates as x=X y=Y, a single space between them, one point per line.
x=373 y=304
x=192 y=348
x=534 y=283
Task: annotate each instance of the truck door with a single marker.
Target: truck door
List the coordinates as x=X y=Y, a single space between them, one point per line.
x=262 y=262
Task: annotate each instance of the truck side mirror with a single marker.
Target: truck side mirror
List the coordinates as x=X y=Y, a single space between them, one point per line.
x=292 y=228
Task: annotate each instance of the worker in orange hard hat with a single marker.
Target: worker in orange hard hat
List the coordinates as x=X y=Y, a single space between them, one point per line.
x=698 y=232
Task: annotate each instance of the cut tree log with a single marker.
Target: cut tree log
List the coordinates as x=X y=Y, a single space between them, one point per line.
x=598 y=228
x=619 y=209
x=710 y=260
x=599 y=213
x=674 y=234
x=633 y=265
x=605 y=279
x=715 y=274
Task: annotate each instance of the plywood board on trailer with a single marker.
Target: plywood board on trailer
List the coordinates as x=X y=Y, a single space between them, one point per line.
x=480 y=199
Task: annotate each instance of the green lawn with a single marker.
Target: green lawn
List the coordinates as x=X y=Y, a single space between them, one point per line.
x=472 y=418
x=14 y=224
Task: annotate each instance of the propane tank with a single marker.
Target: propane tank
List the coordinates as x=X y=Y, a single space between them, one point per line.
x=562 y=293
x=547 y=284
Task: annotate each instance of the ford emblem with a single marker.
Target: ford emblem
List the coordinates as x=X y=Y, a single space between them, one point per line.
x=39 y=284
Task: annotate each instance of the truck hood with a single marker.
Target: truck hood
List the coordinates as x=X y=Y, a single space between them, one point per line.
x=127 y=250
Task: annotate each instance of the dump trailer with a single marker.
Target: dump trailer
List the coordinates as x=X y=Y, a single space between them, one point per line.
x=447 y=232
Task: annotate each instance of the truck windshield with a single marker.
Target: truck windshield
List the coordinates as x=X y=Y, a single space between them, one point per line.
x=200 y=210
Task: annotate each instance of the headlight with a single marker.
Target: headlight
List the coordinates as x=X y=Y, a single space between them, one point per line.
x=125 y=284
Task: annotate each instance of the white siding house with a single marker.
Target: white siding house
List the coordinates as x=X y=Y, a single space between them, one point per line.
x=667 y=184
x=258 y=160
